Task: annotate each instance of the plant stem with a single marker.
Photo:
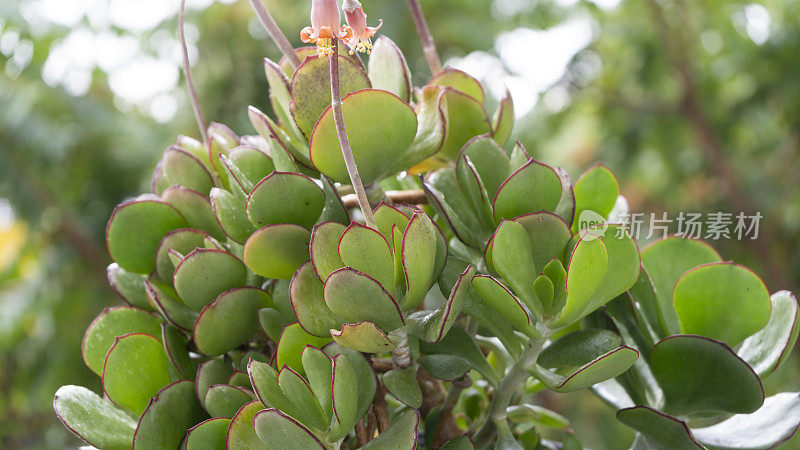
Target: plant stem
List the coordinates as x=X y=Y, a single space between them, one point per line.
x=380 y=409
x=275 y=33
x=344 y=141
x=428 y=46
x=440 y=435
x=508 y=386
x=411 y=197
x=187 y=73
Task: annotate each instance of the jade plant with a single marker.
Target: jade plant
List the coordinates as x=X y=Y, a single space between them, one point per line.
x=380 y=267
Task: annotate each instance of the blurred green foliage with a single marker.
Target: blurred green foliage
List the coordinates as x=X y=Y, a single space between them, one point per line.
x=666 y=89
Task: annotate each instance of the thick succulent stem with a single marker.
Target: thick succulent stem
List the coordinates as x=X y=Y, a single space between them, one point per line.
x=275 y=33
x=187 y=73
x=344 y=141
x=401 y=355
x=442 y=434
x=505 y=391
x=428 y=46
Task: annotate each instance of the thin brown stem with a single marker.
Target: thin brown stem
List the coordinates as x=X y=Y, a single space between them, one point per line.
x=187 y=73
x=379 y=406
x=344 y=141
x=428 y=46
x=413 y=197
x=361 y=433
x=446 y=428
x=275 y=33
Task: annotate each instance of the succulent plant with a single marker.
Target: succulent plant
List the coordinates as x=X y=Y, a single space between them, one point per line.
x=262 y=313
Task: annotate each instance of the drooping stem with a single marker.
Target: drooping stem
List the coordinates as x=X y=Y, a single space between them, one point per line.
x=275 y=33
x=505 y=391
x=441 y=434
x=187 y=73
x=344 y=141
x=428 y=46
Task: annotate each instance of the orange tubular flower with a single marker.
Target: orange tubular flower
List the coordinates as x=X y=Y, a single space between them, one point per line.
x=357 y=20
x=325 y=25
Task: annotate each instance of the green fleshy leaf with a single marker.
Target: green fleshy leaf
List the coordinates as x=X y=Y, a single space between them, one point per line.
x=195 y=207
x=251 y=162
x=403 y=384
x=182 y=241
x=512 y=258
x=363 y=337
x=365 y=376
x=366 y=250
x=445 y=196
x=596 y=192
x=579 y=348
x=344 y=391
x=459 y=443
x=213 y=333
x=111 y=324
x=666 y=260
x=93 y=419
x=284 y=147
x=276 y=429
x=430 y=129
x=444 y=367
x=304 y=404
x=334 y=210
x=305 y=293
x=311 y=88
x=291 y=344
x=224 y=401
x=285 y=198
x=370 y=116
x=502 y=300
x=698 y=374
x=472 y=186
x=135 y=369
x=280 y=96
x=527 y=413
x=176 y=347
x=660 y=431
x=706 y=294
x=774 y=423
x=388 y=69
x=182 y=168
x=319 y=371
x=549 y=234
x=418 y=254
x=354 y=296
x=401 y=435
x=534 y=187
x=135 y=230
x=241 y=432
x=460 y=81
x=432 y=326
x=129 y=286
x=208 y=435
x=277 y=251
x=210 y=373
x=205 y=273
x=585 y=273
x=387 y=216
x=545 y=292
x=602 y=368
x=162 y=298
x=490 y=161
x=324 y=246
x=465 y=119
x=459 y=343
x=229 y=211
x=768 y=349
x=503 y=119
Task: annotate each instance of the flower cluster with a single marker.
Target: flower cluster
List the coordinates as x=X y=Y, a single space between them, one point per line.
x=326 y=26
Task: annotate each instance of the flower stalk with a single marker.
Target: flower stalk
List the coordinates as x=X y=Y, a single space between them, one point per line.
x=187 y=73
x=275 y=33
x=344 y=142
x=428 y=46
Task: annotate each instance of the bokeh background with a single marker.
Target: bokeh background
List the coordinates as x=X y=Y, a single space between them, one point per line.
x=695 y=105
